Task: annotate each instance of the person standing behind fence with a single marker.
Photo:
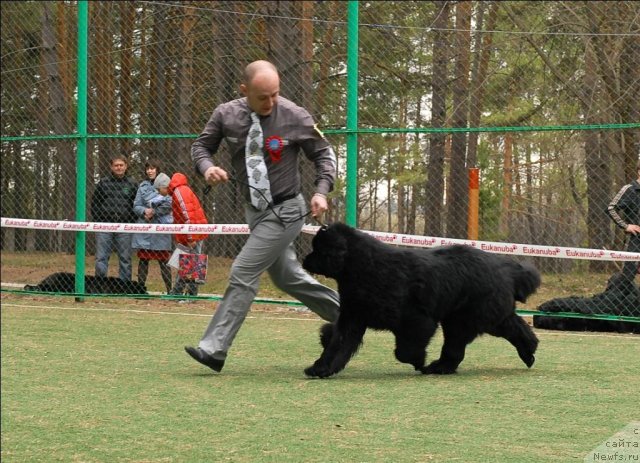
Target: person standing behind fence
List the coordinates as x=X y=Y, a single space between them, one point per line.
x=627 y=203
x=111 y=202
x=148 y=209
x=186 y=209
x=266 y=135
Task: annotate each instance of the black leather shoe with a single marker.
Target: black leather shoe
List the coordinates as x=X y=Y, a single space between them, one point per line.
x=201 y=356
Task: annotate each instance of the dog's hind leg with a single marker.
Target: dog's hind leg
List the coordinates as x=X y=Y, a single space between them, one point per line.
x=412 y=339
x=515 y=330
x=346 y=339
x=457 y=334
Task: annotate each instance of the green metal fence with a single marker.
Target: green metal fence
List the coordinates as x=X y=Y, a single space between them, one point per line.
x=540 y=96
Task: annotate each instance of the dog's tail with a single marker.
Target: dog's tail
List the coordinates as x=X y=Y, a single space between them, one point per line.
x=526 y=280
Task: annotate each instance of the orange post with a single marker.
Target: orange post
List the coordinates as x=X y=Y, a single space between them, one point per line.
x=474 y=203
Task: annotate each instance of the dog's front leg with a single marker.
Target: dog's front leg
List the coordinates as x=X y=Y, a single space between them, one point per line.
x=343 y=344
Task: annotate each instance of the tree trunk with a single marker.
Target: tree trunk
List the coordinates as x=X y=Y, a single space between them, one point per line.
x=158 y=98
x=103 y=78
x=457 y=203
x=596 y=163
x=127 y=18
x=434 y=187
x=630 y=111
x=478 y=80
x=57 y=117
x=326 y=57
x=185 y=90
x=507 y=183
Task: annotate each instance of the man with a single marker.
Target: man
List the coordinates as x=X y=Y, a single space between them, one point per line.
x=263 y=126
x=627 y=203
x=112 y=201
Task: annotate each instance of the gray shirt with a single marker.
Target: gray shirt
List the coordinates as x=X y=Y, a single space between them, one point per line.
x=288 y=127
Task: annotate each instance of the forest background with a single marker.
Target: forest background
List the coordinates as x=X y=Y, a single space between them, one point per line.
x=507 y=87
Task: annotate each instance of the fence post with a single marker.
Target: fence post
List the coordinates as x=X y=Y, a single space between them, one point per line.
x=352 y=113
x=474 y=203
x=81 y=161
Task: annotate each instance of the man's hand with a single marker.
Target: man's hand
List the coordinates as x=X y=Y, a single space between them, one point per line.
x=215 y=174
x=633 y=229
x=318 y=206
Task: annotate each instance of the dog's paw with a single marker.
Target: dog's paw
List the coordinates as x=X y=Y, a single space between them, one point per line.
x=317 y=371
x=437 y=368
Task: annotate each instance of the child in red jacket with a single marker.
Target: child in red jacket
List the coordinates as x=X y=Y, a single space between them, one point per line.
x=186 y=209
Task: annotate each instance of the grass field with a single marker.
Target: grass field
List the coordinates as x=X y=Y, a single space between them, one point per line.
x=107 y=380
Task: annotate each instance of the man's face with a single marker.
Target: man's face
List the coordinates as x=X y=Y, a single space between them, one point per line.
x=262 y=92
x=118 y=168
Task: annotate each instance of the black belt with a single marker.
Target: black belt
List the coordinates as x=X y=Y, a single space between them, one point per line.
x=279 y=199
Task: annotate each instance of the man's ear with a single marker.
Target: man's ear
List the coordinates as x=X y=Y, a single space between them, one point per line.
x=243 y=89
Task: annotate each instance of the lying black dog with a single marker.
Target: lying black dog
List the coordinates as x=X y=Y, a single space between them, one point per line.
x=409 y=291
x=64 y=282
x=620 y=297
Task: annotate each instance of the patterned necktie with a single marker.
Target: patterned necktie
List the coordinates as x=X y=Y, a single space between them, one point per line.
x=256 y=168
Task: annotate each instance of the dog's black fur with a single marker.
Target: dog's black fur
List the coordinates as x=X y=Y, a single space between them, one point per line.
x=410 y=291
x=621 y=297
x=65 y=282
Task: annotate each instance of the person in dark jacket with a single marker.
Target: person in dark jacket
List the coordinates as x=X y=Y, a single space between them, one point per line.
x=624 y=210
x=112 y=201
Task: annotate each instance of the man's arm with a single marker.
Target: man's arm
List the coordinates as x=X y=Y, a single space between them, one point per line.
x=205 y=146
x=614 y=207
x=319 y=151
x=207 y=143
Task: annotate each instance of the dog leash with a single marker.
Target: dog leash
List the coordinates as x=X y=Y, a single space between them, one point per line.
x=270 y=206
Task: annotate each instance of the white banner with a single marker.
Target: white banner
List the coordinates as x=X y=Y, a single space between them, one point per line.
x=499 y=248
x=390 y=238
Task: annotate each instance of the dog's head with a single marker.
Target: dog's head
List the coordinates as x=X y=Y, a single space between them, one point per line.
x=329 y=251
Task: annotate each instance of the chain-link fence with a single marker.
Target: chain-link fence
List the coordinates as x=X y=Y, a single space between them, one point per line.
x=541 y=97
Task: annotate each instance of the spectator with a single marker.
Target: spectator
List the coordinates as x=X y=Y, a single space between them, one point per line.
x=265 y=134
x=186 y=209
x=151 y=207
x=624 y=210
x=111 y=202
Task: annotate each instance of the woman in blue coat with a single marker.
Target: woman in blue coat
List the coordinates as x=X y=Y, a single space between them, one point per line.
x=147 y=208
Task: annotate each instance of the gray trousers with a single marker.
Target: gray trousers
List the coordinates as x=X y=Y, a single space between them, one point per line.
x=269 y=248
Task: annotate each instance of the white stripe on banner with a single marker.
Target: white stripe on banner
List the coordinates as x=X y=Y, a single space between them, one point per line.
x=390 y=238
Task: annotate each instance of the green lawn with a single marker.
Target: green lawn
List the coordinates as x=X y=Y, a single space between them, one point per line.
x=97 y=382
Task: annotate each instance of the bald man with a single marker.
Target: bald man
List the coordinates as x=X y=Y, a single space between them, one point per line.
x=288 y=132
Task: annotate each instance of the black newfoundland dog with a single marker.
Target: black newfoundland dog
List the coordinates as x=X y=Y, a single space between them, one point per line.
x=620 y=297
x=410 y=291
x=65 y=282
